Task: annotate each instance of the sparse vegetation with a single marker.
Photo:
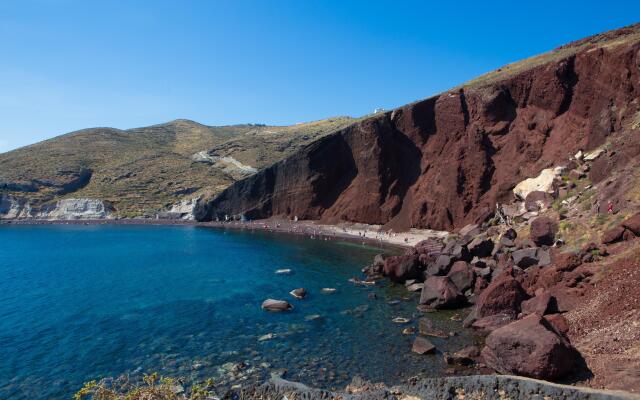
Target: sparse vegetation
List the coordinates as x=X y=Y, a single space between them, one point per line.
x=143 y=170
x=152 y=387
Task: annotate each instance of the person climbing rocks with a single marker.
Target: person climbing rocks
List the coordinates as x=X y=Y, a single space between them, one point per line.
x=610 y=207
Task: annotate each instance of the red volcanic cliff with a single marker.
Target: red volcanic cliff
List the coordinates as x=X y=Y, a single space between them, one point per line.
x=445 y=161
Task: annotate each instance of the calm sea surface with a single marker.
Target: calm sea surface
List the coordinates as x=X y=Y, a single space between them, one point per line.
x=86 y=302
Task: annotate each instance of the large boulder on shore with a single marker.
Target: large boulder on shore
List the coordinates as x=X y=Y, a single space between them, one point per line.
x=503 y=296
x=276 y=305
x=543 y=231
x=402 y=268
x=440 y=292
x=529 y=347
x=528 y=257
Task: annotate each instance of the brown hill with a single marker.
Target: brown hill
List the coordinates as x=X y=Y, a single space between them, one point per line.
x=143 y=170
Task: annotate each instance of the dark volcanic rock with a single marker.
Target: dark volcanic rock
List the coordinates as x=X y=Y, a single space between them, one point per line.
x=401 y=268
x=526 y=258
x=503 y=296
x=633 y=224
x=542 y=304
x=529 y=347
x=444 y=162
x=543 y=231
x=480 y=247
x=440 y=266
x=613 y=235
x=461 y=275
x=440 y=292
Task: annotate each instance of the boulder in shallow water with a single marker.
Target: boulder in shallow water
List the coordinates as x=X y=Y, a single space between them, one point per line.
x=401 y=268
x=276 y=305
x=422 y=346
x=299 y=293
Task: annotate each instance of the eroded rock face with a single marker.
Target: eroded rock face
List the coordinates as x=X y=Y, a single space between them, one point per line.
x=529 y=347
x=446 y=161
x=75 y=209
x=14 y=208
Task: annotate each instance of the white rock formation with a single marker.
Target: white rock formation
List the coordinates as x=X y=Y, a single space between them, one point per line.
x=75 y=209
x=227 y=163
x=545 y=182
x=592 y=155
x=185 y=209
x=14 y=208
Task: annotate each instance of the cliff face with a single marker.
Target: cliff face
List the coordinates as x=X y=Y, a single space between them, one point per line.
x=445 y=161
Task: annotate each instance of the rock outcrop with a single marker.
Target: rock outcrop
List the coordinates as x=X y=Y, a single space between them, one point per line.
x=446 y=161
x=67 y=209
x=529 y=347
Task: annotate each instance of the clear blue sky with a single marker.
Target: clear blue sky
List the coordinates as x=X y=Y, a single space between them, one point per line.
x=67 y=65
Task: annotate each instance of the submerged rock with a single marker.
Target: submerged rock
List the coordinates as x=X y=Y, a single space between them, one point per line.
x=276 y=305
x=299 y=293
x=283 y=271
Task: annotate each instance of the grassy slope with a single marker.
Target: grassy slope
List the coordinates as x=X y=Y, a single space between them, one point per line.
x=146 y=169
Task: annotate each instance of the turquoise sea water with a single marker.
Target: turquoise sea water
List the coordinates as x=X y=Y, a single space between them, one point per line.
x=86 y=302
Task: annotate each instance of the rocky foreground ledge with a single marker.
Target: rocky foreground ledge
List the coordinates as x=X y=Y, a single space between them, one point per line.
x=462 y=387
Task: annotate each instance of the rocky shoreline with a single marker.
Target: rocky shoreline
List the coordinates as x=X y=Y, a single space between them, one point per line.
x=464 y=387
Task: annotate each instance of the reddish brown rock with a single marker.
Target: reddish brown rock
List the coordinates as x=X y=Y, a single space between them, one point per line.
x=566 y=261
x=401 y=268
x=613 y=235
x=541 y=304
x=558 y=322
x=440 y=292
x=633 y=224
x=543 y=231
x=503 y=296
x=529 y=347
x=462 y=275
